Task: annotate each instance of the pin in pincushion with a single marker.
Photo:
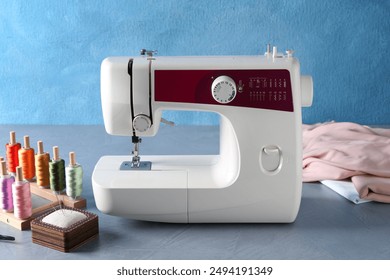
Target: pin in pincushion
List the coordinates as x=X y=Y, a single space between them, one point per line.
x=64 y=229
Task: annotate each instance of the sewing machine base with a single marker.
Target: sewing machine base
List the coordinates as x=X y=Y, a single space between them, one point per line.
x=179 y=189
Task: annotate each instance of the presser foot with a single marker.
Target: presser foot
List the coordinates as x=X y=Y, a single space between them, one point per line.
x=142 y=165
x=136 y=163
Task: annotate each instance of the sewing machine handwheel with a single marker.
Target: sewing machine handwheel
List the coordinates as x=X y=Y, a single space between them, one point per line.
x=141 y=123
x=223 y=89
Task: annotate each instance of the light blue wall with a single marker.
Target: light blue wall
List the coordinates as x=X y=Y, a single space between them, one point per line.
x=50 y=51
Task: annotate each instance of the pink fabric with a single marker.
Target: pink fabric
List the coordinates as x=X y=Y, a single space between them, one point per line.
x=336 y=151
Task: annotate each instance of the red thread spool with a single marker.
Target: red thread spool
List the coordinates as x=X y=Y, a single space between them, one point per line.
x=26 y=160
x=12 y=152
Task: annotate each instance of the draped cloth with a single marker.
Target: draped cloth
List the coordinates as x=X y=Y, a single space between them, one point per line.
x=344 y=150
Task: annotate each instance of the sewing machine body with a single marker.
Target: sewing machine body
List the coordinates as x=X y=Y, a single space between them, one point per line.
x=257 y=175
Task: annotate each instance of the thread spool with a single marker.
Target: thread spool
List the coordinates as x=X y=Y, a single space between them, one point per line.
x=74 y=177
x=21 y=196
x=6 y=180
x=57 y=172
x=42 y=160
x=12 y=152
x=26 y=160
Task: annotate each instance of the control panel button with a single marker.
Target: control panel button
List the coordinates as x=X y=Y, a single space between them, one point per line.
x=223 y=89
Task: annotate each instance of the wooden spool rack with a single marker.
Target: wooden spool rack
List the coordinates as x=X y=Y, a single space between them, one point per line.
x=10 y=219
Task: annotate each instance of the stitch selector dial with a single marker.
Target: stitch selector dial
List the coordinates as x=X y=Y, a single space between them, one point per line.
x=223 y=89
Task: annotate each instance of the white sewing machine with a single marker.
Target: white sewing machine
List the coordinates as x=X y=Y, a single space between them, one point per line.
x=257 y=175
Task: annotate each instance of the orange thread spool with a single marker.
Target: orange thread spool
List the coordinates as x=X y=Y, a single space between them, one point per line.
x=12 y=153
x=26 y=160
x=42 y=167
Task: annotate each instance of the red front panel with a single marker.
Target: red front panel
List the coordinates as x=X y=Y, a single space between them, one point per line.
x=264 y=89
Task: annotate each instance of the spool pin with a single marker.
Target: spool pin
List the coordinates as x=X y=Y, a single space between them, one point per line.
x=12 y=138
x=40 y=148
x=3 y=169
x=56 y=153
x=72 y=159
x=19 y=174
x=26 y=139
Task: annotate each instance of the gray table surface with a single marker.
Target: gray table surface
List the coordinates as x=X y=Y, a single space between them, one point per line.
x=327 y=227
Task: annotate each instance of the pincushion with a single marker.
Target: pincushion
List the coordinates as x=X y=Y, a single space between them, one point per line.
x=64 y=229
x=63 y=218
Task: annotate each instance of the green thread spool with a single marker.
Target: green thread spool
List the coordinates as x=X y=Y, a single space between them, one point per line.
x=74 y=177
x=57 y=172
